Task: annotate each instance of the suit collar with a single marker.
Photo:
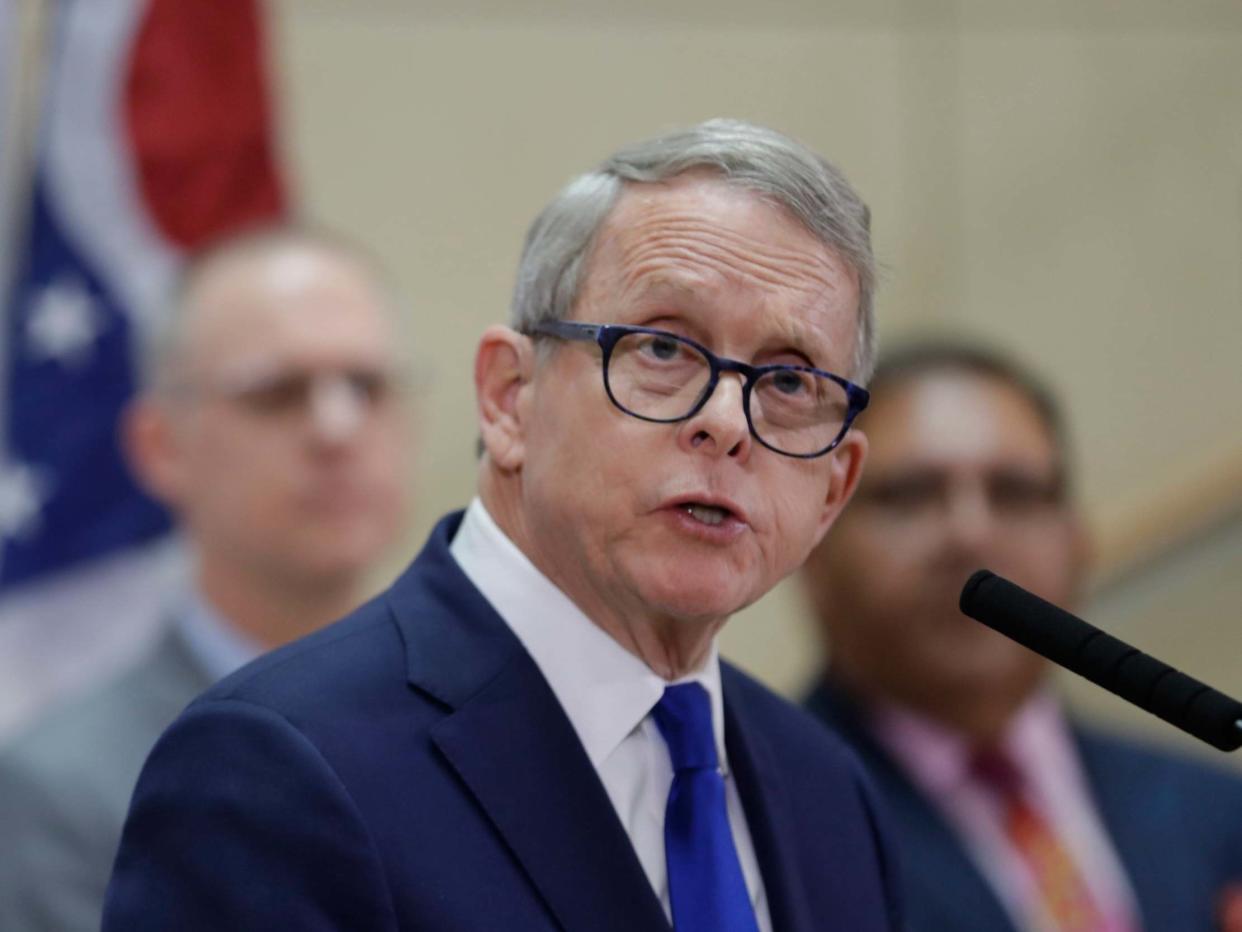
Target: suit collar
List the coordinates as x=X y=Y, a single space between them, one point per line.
x=174 y=656
x=454 y=642
x=511 y=745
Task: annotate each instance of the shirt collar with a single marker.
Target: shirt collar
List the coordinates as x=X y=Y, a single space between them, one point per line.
x=1036 y=740
x=935 y=756
x=216 y=645
x=1041 y=745
x=605 y=691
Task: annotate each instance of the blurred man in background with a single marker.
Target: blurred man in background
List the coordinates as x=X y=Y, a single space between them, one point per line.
x=1011 y=816
x=274 y=426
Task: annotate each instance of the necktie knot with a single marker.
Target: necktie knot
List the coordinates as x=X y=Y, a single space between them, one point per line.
x=684 y=717
x=996 y=770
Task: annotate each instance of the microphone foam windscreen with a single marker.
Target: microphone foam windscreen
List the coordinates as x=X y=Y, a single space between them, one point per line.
x=1103 y=659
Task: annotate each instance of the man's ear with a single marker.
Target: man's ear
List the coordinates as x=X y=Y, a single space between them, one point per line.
x=152 y=449
x=845 y=468
x=503 y=368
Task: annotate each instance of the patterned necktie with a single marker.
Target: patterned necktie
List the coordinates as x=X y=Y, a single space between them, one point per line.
x=705 y=882
x=1061 y=887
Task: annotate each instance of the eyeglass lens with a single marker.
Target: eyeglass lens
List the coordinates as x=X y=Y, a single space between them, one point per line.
x=659 y=377
x=286 y=392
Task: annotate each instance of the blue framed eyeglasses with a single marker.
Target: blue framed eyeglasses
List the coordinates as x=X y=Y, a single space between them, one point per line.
x=663 y=377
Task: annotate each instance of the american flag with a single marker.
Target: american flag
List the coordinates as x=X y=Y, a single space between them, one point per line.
x=153 y=135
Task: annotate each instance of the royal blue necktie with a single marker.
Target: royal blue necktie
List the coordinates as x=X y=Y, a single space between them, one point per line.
x=705 y=883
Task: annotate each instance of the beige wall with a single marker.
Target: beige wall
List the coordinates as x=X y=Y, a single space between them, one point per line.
x=1067 y=180
x=1183 y=609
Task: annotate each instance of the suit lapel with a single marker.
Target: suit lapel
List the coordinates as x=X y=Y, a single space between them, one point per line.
x=517 y=752
x=1120 y=791
x=939 y=879
x=942 y=881
x=510 y=743
x=768 y=815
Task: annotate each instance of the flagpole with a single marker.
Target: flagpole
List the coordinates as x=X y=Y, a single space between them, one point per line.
x=24 y=54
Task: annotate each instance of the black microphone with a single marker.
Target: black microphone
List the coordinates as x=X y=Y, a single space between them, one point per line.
x=1086 y=650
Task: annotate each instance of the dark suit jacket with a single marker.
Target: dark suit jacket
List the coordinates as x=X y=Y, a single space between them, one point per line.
x=410 y=768
x=1176 y=825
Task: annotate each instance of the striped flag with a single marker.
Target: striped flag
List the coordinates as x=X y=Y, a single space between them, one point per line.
x=154 y=136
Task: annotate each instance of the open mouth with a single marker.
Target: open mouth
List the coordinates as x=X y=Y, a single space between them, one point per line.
x=711 y=515
x=718 y=521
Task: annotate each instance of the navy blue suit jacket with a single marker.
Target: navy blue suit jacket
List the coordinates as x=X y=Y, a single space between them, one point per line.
x=410 y=768
x=1176 y=825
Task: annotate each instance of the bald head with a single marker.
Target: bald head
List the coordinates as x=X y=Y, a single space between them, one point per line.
x=277 y=266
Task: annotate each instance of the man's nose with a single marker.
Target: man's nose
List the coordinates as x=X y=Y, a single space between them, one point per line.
x=969 y=520
x=720 y=426
x=337 y=408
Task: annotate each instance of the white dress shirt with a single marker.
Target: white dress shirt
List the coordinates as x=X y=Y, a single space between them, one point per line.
x=607 y=694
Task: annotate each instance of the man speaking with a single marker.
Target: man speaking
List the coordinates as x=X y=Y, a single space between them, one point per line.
x=531 y=729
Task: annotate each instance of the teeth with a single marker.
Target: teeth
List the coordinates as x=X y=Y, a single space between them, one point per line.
x=708 y=514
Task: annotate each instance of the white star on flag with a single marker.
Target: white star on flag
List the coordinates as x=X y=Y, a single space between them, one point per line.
x=62 y=324
x=23 y=490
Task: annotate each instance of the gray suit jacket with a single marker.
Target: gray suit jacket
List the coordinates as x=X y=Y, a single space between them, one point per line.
x=65 y=787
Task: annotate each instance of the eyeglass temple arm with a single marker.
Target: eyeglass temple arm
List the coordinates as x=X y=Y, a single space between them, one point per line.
x=570 y=330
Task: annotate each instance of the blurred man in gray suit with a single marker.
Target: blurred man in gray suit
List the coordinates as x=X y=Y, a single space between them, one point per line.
x=274 y=426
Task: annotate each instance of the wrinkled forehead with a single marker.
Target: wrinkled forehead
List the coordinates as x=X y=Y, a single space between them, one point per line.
x=698 y=241
x=757 y=232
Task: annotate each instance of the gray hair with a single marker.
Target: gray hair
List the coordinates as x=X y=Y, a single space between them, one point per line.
x=748 y=156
